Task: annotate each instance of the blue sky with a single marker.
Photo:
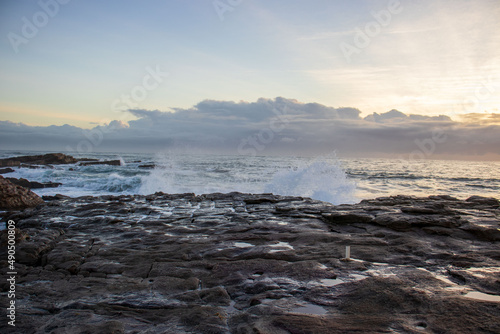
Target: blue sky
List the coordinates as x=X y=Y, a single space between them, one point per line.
x=431 y=58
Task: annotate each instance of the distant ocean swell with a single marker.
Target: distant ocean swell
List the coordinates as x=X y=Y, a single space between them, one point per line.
x=327 y=178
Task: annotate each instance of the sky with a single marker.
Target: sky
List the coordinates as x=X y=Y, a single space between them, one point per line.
x=362 y=77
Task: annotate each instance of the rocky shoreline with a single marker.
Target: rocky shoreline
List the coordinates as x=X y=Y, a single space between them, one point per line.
x=43 y=161
x=241 y=263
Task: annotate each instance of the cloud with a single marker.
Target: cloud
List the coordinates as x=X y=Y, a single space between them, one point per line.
x=21 y=136
x=481 y=119
x=272 y=126
x=396 y=116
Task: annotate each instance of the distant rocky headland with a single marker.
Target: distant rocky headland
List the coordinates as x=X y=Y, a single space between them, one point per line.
x=49 y=159
x=45 y=161
x=243 y=263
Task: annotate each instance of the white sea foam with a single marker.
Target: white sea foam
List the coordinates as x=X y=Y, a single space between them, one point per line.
x=323 y=180
x=320 y=179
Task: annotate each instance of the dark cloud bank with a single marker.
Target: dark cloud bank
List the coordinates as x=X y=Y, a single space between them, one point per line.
x=272 y=126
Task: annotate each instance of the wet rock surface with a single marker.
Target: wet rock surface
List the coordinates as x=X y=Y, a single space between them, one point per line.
x=45 y=159
x=15 y=197
x=33 y=184
x=6 y=170
x=238 y=263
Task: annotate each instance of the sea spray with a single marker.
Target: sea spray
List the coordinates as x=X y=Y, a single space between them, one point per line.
x=161 y=177
x=201 y=174
x=322 y=179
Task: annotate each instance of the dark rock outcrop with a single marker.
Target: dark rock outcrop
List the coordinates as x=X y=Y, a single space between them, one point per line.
x=46 y=159
x=33 y=184
x=110 y=162
x=240 y=263
x=6 y=170
x=14 y=197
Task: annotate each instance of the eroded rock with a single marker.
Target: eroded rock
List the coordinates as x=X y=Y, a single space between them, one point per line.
x=240 y=263
x=14 y=197
x=33 y=184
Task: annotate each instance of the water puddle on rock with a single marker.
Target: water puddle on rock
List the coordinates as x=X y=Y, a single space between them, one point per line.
x=243 y=244
x=476 y=295
x=329 y=282
x=381 y=272
x=309 y=309
x=280 y=244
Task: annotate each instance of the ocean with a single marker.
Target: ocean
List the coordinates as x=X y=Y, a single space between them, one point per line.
x=326 y=178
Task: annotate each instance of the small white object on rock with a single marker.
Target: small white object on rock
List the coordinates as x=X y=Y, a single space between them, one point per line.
x=347 y=252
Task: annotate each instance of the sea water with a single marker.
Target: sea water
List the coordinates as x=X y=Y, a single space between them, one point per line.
x=324 y=178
